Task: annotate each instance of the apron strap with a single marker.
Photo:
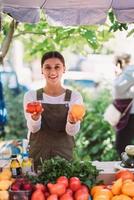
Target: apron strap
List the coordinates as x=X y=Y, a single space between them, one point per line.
x=39 y=94
x=68 y=95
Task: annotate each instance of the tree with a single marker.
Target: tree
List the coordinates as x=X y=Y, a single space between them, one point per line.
x=49 y=37
x=7 y=36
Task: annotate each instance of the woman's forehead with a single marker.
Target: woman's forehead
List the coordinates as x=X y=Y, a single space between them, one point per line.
x=52 y=61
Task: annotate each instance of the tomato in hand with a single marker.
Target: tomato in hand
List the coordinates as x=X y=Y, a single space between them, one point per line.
x=124 y=174
x=34 y=107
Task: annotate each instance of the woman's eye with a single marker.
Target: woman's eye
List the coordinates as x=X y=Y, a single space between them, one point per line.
x=47 y=68
x=57 y=67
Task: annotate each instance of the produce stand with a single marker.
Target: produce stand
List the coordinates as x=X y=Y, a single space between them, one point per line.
x=28 y=187
x=107 y=167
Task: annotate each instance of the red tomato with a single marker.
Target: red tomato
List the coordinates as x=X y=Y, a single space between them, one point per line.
x=58 y=188
x=80 y=194
x=74 y=183
x=69 y=191
x=40 y=186
x=38 y=108
x=124 y=174
x=84 y=188
x=66 y=196
x=34 y=107
x=30 y=108
x=52 y=197
x=38 y=194
x=64 y=180
x=47 y=194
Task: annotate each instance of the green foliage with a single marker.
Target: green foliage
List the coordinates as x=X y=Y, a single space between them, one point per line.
x=95 y=140
x=115 y=25
x=16 y=126
x=42 y=37
x=53 y=168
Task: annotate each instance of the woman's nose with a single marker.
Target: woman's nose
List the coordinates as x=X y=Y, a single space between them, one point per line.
x=53 y=71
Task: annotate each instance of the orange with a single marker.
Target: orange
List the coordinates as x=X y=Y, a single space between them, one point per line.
x=116 y=187
x=78 y=111
x=96 y=188
x=104 y=192
x=124 y=174
x=101 y=197
x=121 y=197
x=128 y=189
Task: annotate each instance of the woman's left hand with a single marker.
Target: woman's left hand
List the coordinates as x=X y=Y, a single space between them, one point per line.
x=72 y=119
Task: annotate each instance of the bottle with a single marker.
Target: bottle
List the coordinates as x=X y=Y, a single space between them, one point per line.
x=15 y=166
x=27 y=164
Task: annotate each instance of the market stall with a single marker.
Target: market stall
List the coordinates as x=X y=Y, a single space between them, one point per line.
x=69 y=13
x=17 y=185
x=77 y=180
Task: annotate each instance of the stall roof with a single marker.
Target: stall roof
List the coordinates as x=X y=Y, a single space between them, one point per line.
x=69 y=12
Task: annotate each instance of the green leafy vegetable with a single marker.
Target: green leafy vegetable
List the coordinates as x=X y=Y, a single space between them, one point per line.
x=53 y=168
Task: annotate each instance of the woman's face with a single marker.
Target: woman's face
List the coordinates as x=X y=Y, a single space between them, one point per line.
x=53 y=70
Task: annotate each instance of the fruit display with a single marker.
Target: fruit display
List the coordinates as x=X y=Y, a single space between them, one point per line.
x=121 y=189
x=59 y=179
x=21 y=188
x=62 y=189
x=5 y=183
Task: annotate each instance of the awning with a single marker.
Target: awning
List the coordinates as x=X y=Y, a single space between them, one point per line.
x=69 y=12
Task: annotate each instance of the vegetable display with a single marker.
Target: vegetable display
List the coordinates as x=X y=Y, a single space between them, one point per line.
x=50 y=170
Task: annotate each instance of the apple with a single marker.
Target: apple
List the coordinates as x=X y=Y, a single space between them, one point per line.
x=27 y=186
x=16 y=186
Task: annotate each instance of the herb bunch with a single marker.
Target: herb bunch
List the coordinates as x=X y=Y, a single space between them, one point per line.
x=55 y=167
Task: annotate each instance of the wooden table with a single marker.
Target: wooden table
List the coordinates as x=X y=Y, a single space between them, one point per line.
x=108 y=170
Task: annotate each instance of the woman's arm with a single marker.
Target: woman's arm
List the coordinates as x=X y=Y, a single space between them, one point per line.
x=73 y=128
x=33 y=125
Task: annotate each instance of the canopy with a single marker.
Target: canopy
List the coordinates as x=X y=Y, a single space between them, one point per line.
x=69 y=12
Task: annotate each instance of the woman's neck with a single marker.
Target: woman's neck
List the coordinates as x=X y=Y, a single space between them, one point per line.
x=54 y=91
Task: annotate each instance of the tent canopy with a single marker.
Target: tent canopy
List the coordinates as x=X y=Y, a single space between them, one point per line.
x=69 y=12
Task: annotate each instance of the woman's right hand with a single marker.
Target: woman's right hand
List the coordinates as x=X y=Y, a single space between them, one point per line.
x=36 y=115
x=35 y=109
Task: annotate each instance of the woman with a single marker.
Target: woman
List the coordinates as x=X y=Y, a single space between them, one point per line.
x=52 y=130
x=123 y=100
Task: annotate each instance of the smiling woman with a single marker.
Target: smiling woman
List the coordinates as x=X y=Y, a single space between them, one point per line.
x=52 y=129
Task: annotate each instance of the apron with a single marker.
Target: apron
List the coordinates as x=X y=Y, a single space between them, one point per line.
x=52 y=140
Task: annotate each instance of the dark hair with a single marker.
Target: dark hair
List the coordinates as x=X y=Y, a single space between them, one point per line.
x=124 y=58
x=52 y=54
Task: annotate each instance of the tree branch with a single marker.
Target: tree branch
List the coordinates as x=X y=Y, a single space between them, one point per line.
x=34 y=33
x=8 y=39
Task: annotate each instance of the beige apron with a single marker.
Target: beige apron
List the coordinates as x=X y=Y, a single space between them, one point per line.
x=52 y=140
